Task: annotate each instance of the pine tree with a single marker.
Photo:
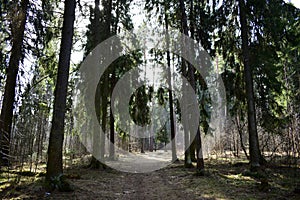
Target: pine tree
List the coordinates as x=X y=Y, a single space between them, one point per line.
x=252 y=128
x=17 y=24
x=55 y=162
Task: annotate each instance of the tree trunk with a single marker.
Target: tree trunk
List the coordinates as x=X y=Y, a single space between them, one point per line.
x=112 y=85
x=191 y=77
x=95 y=164
x=240 y=131
x=253 y=136
x=184 y=29
x=112 y=127
x=55 y=164
x=112 y=136
x=96 y=152
x=169 y=79
x=17 y=30
x=200 y=160
x=197 y=140
x=142 y=140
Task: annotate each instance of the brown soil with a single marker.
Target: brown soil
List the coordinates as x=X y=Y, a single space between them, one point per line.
x=161 y=184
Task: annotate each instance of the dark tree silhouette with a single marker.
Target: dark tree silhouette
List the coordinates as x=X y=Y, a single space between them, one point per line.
x=253 y=136
x=55 y=164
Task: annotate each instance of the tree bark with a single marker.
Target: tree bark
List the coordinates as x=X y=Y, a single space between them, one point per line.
x=169 y=79
x=95 y=164
x=112 y=85
x=112 y=122
x=17 y=29
x=240 y=131
x=253 y=136
x=103 y=94
x=184 y=29
x=55 y=164
x=198 y=140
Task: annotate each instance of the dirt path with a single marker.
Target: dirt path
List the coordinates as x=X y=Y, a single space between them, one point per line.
x=161 y=184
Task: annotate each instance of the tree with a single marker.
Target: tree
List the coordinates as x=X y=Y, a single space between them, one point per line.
x=103 y=24
x=139 y=109
x=55 y=164
x=264 y=26
x=253 y=137
x=191 y=74
x=99 y=30
x=185 y=70
x=32 y=111
x=93 y=39
x=172 y=120
x=17 y=24
x=175 y=14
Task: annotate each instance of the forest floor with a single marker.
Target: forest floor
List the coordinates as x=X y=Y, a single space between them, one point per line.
x=223 y=179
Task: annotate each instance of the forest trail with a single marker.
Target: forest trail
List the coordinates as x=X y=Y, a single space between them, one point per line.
x=141 y=162
x=111 y=184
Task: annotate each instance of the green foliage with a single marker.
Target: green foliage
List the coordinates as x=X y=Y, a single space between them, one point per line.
x=271 y=27
x=139 y=108
x=163 y=135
